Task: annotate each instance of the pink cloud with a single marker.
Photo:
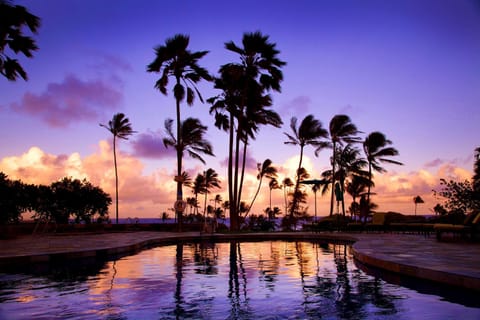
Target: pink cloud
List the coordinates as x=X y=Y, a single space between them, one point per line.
x=434 y=163
x=150 y=145
x=70 y=101
x=250 y=164
x=298 y=105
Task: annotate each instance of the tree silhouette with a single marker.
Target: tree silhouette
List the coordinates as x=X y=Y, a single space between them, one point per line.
x=416 y=201
x=377 y=150
x=342 y=130
x=309 y=132
x=173 y=59
x=265 y=169
x=12 y=20
x=121 y=128
x=243 y=105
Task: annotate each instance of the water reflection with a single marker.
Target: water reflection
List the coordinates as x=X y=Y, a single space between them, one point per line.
x=235 y=280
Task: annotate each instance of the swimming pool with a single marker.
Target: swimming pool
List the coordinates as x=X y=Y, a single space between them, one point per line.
x=227 y=280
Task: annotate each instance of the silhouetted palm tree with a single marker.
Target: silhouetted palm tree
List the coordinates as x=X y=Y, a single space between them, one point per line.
x=349 y=164
x=198 y=187
x=309 y=132
x=121 y=128
x=173 y=59
x=210 y=181
x=243 y=105
x=273 y=184
x=287 y=183
x=13 y=19
x=416 y=201
x=476 y=173
x=265 y=169
x=356 y=186
x=191 y=139
x=377 y=151
x=342 y=130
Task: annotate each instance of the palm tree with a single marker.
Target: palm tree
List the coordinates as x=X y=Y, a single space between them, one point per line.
x=476 y=175
x=210 y=181
x=243 y=105
x=417 y=200
x=342 y=130
x=377 y=151
x=287 y=183
x=273 y=184
x=265 y=169
x=121 y=128
x=12 y=21
x=191 y=139
x=173 y=59
x=350 y=164
x=198 y=187
x=356 y=186
x=310 y=132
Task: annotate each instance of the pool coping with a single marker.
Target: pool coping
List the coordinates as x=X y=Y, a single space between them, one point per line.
x=366 y=257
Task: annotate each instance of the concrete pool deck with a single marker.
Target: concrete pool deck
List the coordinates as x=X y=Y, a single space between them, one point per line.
x=455 y=263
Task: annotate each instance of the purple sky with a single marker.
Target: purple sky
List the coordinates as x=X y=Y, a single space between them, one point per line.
x=410 y=69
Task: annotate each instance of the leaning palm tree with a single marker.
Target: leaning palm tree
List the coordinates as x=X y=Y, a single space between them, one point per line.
x=173 y=59
x=265 y=169
x=342 y=130
x=13 y=20
x=377 y=150
x=309 y=132
x=121 y=128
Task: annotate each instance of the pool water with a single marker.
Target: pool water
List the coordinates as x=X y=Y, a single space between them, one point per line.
x=231 y=280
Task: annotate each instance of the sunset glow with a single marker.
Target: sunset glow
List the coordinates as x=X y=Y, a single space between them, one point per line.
x=409 y=69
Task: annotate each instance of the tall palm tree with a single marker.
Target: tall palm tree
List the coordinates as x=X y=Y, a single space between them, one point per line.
x=309 y=132
x=121 y=128
x=265 y=169
x=13 y=19
x=377 y=151
x=243 y=105
x=342 y=130
x=173 y=59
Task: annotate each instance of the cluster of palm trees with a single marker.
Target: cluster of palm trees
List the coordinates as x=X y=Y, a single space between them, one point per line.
x=243 y=105
x=350 y=171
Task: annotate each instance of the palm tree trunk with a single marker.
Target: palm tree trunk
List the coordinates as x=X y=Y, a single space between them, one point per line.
x=232 y=200
x=242 y=175
x=179 y=161
x=369 y=179
x=333 y=179
x=116 y=178
x=255 y=196
x=235 y=176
